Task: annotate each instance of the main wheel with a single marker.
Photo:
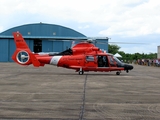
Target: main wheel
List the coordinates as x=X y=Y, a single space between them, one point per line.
x=81 y=72
x=117 y=73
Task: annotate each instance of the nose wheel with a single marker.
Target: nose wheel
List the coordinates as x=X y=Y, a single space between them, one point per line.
x=118 y=73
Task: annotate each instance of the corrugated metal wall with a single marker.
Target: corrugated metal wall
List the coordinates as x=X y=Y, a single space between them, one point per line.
x=57 y=46
x=47 y=46
x=11 y=48
x=66 y=44
x=4 y=50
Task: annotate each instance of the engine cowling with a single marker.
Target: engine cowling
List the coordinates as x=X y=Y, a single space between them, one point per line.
x=95 y=49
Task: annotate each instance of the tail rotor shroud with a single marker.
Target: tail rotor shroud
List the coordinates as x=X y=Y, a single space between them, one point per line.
x=22 y=57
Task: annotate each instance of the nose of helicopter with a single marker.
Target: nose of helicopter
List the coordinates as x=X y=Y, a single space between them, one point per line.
x=128 y=67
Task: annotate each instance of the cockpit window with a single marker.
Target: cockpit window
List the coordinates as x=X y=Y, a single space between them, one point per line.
x=111 y=60
x=116 y=59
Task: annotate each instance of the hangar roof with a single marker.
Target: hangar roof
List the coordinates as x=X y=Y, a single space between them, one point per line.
x=43 y=31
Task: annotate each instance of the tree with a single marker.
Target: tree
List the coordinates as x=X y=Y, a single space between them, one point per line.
x=113 y=49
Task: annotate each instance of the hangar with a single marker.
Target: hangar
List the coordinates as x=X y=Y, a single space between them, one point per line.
x=40 y=37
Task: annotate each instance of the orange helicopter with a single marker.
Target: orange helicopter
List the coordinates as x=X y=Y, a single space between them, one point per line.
x=83 y=57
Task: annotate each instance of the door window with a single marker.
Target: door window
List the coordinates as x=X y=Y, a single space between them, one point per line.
x=89 y=58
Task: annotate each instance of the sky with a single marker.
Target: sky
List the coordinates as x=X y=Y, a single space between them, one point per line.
x=131 y=21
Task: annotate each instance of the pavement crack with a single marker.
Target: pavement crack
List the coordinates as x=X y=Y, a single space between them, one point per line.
x=81 y=115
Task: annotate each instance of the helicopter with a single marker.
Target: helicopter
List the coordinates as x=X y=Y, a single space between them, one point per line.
x=82 y=57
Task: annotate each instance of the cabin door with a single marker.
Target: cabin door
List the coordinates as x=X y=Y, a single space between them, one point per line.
x=102 y=61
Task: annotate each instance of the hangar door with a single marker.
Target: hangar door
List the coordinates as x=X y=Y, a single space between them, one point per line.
x=3 y=50
x=47 y=46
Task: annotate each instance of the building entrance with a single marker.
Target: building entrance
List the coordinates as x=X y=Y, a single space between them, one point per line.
x=37 y=46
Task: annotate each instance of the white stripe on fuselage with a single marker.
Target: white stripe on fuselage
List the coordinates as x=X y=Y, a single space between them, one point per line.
x=55 y=60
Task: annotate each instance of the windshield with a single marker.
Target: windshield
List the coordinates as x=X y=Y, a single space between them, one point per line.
x=117 y=60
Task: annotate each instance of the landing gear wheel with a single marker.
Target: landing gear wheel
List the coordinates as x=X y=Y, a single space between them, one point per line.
x=127 y=71
x=117 y=73
x=81 y=72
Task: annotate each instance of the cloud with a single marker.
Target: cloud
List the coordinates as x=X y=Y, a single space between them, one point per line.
x=84 y=27
x=139 y=48
x=140 y=20
x=126 y=18
x=1 y=28
x=120 y=18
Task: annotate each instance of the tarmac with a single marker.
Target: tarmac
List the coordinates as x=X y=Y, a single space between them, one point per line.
x=51 y=92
